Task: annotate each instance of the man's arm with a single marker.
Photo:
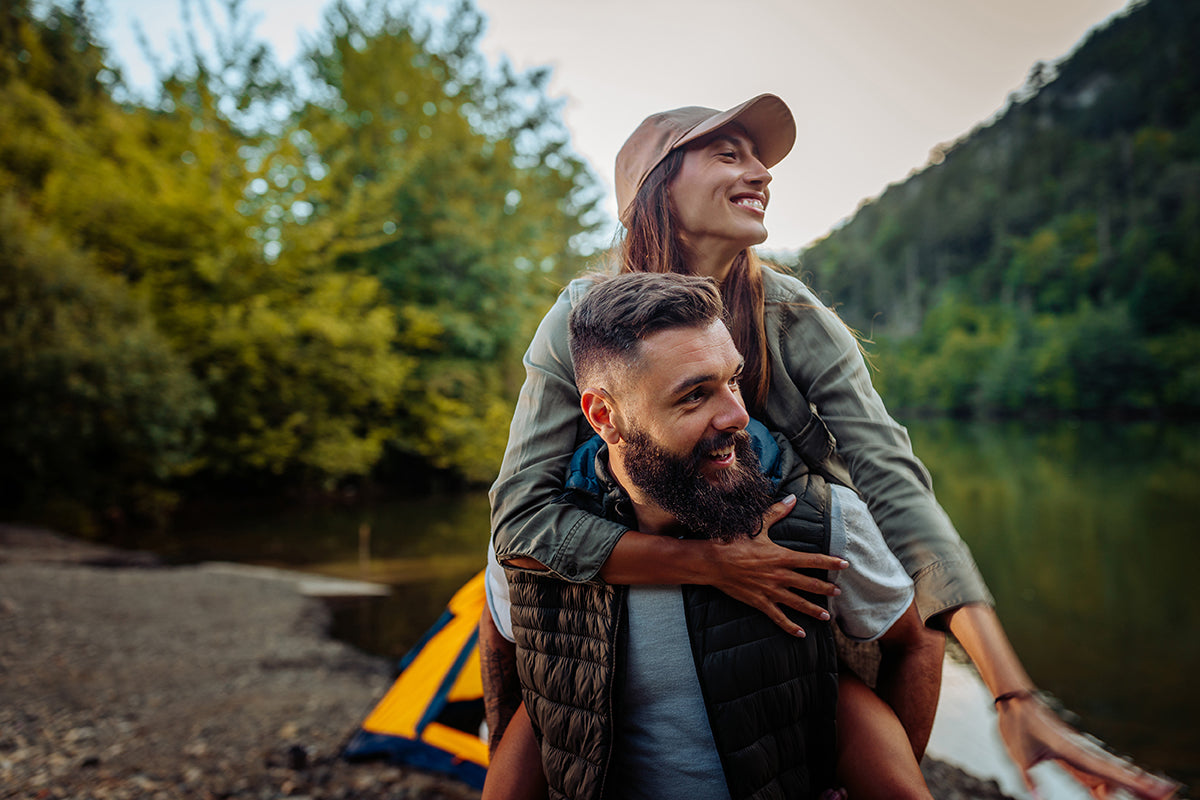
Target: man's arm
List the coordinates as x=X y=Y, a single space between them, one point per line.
x=501 y=687
x=910 y=675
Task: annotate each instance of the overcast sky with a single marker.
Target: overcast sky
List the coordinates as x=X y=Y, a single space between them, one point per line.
x=874 y=84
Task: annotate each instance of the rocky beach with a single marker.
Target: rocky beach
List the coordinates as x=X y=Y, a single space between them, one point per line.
x=123 y=678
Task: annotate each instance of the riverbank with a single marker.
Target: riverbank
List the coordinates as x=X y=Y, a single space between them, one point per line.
x=123 y=678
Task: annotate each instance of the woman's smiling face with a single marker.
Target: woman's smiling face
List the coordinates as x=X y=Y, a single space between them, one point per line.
x=719 y=196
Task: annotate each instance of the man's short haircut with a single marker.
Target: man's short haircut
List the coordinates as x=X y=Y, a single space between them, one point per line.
x=609 y=324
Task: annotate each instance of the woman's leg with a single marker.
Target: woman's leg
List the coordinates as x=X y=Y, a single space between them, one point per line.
x=875 y=758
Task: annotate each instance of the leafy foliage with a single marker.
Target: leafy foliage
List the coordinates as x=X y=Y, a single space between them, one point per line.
x=310 y=278
x=456 y=191
x=1046 y=262
x=100 y=411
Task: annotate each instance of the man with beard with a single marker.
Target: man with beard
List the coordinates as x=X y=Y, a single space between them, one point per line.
x=733 y=502
x=668 y=691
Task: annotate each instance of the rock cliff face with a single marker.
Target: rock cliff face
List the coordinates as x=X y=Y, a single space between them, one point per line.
x=124 y=679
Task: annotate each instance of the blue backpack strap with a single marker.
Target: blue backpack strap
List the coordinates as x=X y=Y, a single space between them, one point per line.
x=767 y=450
x=581 y=474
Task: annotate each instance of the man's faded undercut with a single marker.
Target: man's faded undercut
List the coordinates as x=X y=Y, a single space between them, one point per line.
x=610 y=323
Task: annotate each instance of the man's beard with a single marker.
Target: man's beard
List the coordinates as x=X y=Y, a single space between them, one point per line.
x=733 y=506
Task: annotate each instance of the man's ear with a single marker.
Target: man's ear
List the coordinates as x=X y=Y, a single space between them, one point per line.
x=599 y=408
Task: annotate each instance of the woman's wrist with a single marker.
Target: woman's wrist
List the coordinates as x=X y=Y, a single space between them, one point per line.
x=642 y=558
x=1017 y=696
x=696 y=560
x=978 y=630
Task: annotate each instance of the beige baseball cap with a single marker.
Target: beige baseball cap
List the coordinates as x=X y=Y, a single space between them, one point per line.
x=766 y=119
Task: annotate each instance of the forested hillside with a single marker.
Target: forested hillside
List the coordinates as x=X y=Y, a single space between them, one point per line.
x=1049 y=261
x=262 y=280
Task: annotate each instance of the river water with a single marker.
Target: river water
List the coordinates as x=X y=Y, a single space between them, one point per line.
x=1085 y=532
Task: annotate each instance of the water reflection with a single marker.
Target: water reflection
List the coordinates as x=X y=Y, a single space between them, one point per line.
x=409 y=539
x=424 y=548
x=1086 y=534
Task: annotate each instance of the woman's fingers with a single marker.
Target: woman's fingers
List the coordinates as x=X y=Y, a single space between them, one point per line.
x=1033 y=734
x=778 y=511
x=769 y=577
x=776 y=615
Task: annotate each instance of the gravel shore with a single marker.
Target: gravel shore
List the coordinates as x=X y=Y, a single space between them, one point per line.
x=122 y=678
x=135 y=681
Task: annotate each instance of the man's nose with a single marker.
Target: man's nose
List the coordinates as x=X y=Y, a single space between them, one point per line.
x=732 y=414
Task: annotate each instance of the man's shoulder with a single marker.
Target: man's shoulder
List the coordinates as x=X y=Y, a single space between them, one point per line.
x=876 y=590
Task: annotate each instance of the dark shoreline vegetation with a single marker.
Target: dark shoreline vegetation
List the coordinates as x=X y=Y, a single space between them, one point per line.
x=1048 y=262
x=270 y=278
x=319 y=281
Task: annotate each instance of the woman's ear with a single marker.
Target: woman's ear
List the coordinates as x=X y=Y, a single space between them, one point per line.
x=599 y=409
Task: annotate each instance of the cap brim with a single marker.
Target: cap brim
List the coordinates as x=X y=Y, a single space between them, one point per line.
x=765 y=118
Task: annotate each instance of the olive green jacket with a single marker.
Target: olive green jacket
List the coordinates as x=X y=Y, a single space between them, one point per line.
x=820 y=397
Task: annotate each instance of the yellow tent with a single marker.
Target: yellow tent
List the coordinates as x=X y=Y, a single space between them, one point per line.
x=431 y=716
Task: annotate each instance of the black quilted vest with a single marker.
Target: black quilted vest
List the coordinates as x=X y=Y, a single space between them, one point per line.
x=770 y=697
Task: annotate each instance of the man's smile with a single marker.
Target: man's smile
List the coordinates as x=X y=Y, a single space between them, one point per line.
x=723 y=457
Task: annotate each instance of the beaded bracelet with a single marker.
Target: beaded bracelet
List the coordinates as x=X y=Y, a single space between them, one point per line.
x=1018 y=694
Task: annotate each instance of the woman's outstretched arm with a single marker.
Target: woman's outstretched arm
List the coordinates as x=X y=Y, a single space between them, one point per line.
x=1032 y=733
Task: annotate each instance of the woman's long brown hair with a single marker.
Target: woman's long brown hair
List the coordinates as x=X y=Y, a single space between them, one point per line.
x=651 y=244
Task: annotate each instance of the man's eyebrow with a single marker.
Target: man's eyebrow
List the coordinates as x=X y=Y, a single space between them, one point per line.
x=693 y=381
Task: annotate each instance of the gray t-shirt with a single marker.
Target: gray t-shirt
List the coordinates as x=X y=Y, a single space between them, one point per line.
x=664 y=745
x=876 y=590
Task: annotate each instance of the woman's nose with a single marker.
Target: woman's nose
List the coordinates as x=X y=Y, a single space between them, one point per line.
x=756 y=173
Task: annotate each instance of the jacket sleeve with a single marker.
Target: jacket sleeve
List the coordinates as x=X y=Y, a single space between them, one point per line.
x=528 y=516
x=827 y=367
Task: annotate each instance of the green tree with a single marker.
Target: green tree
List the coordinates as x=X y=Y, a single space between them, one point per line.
x=101 y=413
x=450 y=182
x=297 y=357
x=329 y=273
x=1072 y=220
